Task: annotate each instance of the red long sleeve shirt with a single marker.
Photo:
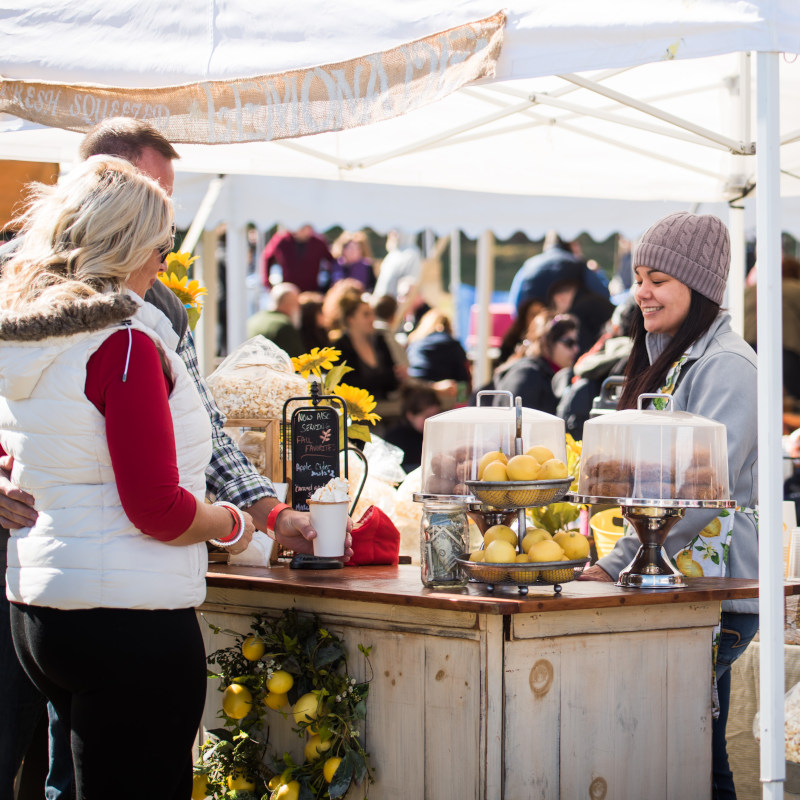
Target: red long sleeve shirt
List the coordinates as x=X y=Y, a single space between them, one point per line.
x=140 y=436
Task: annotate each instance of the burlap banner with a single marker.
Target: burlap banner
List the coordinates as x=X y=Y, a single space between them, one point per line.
x=268 y=107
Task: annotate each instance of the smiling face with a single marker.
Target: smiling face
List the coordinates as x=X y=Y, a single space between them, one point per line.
x=663 y=300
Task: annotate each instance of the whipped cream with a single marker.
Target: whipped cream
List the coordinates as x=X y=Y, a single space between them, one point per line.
x=336 y=490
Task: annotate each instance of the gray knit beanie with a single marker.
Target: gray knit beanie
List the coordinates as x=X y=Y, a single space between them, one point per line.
x=694 y=248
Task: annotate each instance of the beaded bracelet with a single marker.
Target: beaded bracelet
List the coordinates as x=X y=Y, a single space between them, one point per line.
x=238 y=526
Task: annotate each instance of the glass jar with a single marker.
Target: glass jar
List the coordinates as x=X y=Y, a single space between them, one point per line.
x=444 y=534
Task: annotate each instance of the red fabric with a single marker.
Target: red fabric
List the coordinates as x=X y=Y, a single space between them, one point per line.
x=300 y=262
x=376 y=540
x=140 y=436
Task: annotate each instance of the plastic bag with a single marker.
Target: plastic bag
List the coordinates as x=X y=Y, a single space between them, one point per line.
x=384 y=460
x=255 y=380
x=791 y=710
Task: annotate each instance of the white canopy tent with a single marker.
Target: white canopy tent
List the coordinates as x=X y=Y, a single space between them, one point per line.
x=562 y=114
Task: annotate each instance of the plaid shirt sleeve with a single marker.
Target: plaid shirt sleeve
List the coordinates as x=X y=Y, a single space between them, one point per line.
x=230 y=476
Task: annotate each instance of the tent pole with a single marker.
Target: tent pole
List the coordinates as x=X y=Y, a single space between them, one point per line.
x=235 y=275
x=455 y=276
x=770 y=479
x=484 y=282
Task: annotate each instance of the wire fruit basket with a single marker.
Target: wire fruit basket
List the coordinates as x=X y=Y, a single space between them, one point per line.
x=513 y=495
x=523 y=575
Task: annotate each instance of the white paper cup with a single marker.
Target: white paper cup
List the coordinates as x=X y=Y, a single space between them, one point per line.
x=329 y=520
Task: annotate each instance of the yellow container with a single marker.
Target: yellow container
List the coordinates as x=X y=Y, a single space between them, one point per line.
x=607 y=526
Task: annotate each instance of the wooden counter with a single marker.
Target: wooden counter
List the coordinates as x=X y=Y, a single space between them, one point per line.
x=598 y=692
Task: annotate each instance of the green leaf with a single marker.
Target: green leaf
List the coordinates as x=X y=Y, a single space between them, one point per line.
x=194 y=316
x=360 y=766
x=335 y=375
x=342 y=777
x=328 y=655
x=359 y=432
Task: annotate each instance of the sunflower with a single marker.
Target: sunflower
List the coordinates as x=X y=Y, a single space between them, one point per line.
x=360 y=403
x=188 y=292
x=179 y=262
x=315 y=361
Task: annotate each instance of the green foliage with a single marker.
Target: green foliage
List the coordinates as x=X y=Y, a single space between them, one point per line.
x=317 y=661
x=555 y=517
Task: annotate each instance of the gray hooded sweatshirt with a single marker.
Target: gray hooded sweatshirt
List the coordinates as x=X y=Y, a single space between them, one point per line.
x=720 y=384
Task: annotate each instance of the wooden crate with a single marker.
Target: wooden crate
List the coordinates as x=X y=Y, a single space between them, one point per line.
x=273 y=451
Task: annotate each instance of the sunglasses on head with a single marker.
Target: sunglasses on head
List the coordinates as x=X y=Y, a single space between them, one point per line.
x=568 y=341
x=164 y=251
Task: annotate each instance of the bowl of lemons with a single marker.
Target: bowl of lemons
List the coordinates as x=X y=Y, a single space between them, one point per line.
x=539 y=558
x=533 y=478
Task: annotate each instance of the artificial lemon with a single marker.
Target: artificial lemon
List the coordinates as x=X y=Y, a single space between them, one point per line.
x=500 y=552
x=494 y=455
x=238 y=783
x=315 y=747
x=499 y=532
x=306 y=708
x=330 y=767
x=522 y=468
x=533 y=535
x=237 y=701
x=546 y=550
x=289 y=791
x=575 y=545
x=276 y=700
x=253 y=648
x=281 y=682
x=199 y=787
x=495 y=471
x=552 y=470
x=540 y=453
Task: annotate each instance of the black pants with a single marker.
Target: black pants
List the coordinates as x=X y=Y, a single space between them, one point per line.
x=129 y=685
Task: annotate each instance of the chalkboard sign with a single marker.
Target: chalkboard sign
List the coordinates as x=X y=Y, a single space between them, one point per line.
x=314 y=437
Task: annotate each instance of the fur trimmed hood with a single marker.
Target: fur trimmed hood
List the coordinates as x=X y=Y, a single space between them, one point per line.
x=82 y=315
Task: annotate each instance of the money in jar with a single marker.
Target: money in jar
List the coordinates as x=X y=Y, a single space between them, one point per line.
x=444 y=535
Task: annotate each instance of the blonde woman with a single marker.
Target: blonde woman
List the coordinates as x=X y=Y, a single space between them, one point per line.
x=109 y=434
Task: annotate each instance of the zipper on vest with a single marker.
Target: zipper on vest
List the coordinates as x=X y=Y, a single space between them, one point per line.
x=127 y=324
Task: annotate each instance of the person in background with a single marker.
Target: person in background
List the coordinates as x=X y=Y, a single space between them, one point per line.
x=280 y=322
x=434 y=354
x=312 y=326
x=385 y=308
x=403 y=260
x=684 y=345
x=105 y=425
x=419 y=402
x=303 y=256
x=229 y=476
x=354 y=336
x=790 y=317
x=353 y=259
x=552 y=345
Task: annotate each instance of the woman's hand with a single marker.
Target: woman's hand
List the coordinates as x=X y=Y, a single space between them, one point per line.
x=16 y=506
x=247 y=536
x=595 y=573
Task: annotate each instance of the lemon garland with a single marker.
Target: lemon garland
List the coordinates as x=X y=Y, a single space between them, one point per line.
x=293 y=667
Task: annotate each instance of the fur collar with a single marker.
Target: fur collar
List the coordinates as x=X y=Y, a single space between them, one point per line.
x=80 y=315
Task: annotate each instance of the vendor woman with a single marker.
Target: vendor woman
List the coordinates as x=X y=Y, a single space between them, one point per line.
x=683 y=345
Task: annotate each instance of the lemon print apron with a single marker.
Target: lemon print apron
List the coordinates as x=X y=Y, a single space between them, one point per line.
x=706 y=555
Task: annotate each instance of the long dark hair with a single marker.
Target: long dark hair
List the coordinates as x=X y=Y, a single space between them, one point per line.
x=642 y=377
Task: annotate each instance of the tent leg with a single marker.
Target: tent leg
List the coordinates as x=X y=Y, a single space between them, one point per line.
x=770 y=479
x=455 y=276
x=484 y=280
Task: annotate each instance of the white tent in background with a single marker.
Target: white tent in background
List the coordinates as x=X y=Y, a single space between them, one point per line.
x=609 y=102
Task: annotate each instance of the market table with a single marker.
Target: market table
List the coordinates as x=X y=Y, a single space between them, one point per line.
x=596 y=692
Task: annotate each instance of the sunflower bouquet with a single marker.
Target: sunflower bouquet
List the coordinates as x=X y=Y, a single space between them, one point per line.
x=360 y=403
x=176 y=278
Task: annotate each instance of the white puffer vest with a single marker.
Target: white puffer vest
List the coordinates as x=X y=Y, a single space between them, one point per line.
x=83 y=551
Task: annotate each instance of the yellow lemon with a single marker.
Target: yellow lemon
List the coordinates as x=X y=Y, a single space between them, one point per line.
x=315 y=747
x=500 y=552
x=546 y=550
x=540 y=453
x=575 y=545
x=237 y=701
x=499 y=532
x=552 y=470
x=476 y=555
x=306 y=708
x=522 y=558
x=330 y=767
x=274 y=783
x=275 y=700
x=253 y=648
x=199 y=787
x=289 y=791
x=238 y=783
x=494 y=455
x=533 y=535
x=281 y=682
x=495 y=471
x=522 y=468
